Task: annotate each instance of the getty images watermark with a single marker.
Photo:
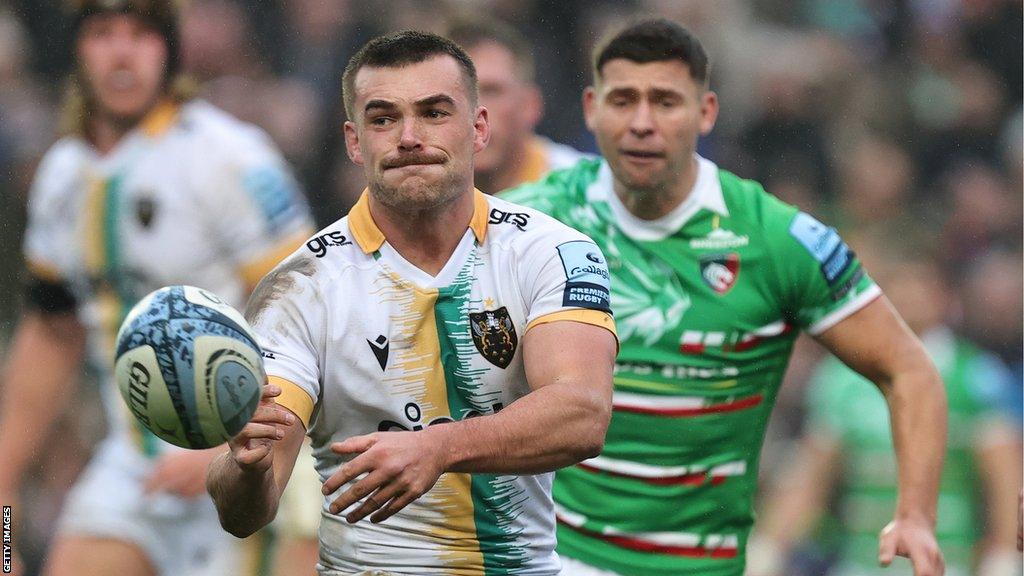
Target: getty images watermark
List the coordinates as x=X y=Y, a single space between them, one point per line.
x=7 y=540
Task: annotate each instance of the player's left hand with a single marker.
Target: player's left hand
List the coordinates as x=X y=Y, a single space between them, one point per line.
x=399 y=466
x=181 y=473
x=914 y=539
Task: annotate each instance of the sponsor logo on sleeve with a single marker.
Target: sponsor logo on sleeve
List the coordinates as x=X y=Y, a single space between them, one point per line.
x=587 y=280
x=275 y=193
x=824 y=245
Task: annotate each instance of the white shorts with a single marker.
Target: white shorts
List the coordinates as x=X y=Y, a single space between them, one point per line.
x=180 y=536
x=573 y=567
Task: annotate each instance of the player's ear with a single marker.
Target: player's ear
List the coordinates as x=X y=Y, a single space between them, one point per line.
x=481 y=129
x=352 y=143
x=708 y=112
x=589 y=103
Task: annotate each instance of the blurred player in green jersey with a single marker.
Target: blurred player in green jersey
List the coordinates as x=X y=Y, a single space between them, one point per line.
x=848 y=448
x=712 y=279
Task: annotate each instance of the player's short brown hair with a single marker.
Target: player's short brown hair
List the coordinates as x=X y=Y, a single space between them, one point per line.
x=402 y=49
x=653 y=40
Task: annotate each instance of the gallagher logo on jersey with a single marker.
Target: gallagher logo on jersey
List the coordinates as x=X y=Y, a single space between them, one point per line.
x=494 y=335
x=587 y=282
x=720 y=271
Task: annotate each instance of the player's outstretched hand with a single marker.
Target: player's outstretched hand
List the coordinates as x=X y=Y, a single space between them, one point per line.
x=181 y=473
x=399 y=466
x=915 y=540
x=251 y=448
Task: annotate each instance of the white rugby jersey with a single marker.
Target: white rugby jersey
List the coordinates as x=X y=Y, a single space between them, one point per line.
x=191 y=196
x=363 y=341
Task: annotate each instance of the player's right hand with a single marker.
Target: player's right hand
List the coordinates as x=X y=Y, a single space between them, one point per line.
x=251 y=448
x=913 y=539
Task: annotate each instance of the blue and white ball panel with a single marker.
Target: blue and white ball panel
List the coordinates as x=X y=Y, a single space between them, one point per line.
x=189 y=367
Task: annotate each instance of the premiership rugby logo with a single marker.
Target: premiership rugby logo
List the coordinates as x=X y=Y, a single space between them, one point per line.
x=494 y=335
x=720 y=271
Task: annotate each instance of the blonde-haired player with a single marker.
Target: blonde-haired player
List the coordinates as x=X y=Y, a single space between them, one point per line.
x=149 y=188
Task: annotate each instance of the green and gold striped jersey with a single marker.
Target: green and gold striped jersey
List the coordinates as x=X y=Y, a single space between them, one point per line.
x=363 y=341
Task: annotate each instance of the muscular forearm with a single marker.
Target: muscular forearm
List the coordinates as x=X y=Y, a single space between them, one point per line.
x=550 y=428
x=38 y=379
x=917 y=406
x=246 y=500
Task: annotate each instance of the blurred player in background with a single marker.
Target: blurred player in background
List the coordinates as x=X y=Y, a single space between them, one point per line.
x=505 y=71
x=712 y=279
x=443 y=361
x=848 y=447
x=149 y=188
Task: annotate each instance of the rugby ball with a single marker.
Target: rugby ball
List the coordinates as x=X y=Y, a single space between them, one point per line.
x=188 y=367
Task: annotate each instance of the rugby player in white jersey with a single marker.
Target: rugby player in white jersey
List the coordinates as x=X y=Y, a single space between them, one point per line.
x=505 y=73
x=148 y=188
x=444 y=350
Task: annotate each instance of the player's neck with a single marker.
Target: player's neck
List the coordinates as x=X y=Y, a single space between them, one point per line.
x=655 y=203
x=425 y=238
x=105 y=133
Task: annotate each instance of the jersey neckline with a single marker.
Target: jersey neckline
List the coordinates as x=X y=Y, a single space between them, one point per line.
x=706 y=193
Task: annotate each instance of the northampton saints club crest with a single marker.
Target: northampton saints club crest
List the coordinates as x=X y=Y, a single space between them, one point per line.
x=720 y=271
x=494 y=336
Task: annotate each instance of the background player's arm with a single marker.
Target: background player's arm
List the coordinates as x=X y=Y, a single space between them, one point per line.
x=794 y=505
x=39 y=377
x=998 y=457
x=246 y=482
x=562 y=421
x=875 y=342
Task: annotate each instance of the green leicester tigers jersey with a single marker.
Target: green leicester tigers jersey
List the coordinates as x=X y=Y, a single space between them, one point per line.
x=708 y=301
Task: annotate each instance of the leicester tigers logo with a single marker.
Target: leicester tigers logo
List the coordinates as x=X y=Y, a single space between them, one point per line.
x=494 y=336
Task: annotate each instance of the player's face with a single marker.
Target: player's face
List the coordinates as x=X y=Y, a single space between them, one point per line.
x=123 y=62
x=415 y=133
x=646 y=119
x=514 y=106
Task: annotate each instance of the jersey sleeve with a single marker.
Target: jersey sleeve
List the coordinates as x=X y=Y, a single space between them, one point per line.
x=288 y=317
x=46 y=233
x=563 y=276
x=256 y=207
x=821 y=281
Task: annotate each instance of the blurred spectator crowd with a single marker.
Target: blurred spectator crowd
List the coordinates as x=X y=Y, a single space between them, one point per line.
x=894 y=120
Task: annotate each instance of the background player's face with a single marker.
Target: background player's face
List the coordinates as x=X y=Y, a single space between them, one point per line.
x=646 y=119
x=123 y=62
x=415 y=133
x=514 y=106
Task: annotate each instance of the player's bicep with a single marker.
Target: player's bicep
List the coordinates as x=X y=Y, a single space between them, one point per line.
x=875 y=342
x=575 y=353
